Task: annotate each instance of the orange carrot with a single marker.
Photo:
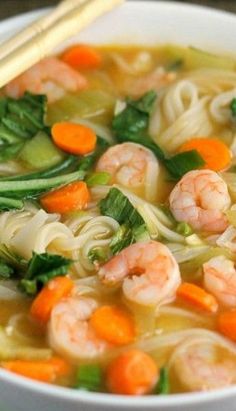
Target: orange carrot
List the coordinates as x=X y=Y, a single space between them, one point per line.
x=113 y=325
x=227 y=324
x=132 y=373
x=74 y=196
x=44 y=371
x=198 y=297
x=216 y=154
x=83 y=57
x=74 y=138
x=50 y=295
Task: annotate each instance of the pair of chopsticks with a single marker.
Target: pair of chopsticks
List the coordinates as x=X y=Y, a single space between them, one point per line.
x=37 y=40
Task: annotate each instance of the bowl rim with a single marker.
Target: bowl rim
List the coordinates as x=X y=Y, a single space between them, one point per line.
x=99 y=399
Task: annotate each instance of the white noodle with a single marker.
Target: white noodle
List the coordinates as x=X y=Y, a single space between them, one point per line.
x=172 y=339
x=180 y=312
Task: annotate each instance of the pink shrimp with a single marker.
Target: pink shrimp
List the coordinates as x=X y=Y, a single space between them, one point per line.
x=50 y=76
x=220 y=279
x=199 y=368
x=70 y=333
x=200 y=199
x=133 y=166
x=148 y=272
x=153 y=81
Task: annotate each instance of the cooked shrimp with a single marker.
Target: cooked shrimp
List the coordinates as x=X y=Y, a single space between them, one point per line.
x=132 y=166
x=153 y=81
x=200 y=368
x=200 y=199
x=51 y=76
x=148 y=272
x=70 y=333
x=220 y=279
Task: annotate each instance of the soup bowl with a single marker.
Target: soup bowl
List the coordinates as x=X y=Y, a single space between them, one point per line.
x=137 y=22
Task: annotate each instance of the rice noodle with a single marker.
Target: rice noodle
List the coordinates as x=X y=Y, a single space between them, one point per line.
x=180 y=312
x=184 y=112
x=24 y=232
x=171 y=339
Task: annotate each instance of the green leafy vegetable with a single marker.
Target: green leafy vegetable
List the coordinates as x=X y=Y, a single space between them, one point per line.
x=70 y=163
x=116 y=205
x=133 y=228
x=100 y=178
x=182 y=163
x=6 y=271
x=87 y=162
x=89 y=378
x=9 y=151
x=32 y=188
x=134 y=119
x=122 y=239
x=41 y=269
x=233 y=108
x=163 y=385
x=132 y=124
x=7 y=204
x=19 y=120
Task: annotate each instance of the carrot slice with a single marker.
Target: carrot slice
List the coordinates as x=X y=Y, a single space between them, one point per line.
x=216 y=154
x=198 y=297
x=74 y=138
x=83 y=57
x=74 y=196
x=113 y=325
x=227 y=324
x=44 y=371
x=50 y=295
x=132 y=373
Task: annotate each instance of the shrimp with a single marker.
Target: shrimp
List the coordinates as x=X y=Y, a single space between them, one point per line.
x=153 y=81
x=70 y=333
x=220 y=279
x=148 y=272
x=200 y=199
x=132 y=166
x=50 y=76
x=199 y=367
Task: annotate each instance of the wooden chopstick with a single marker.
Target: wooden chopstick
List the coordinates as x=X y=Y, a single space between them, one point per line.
x=38 y=26
x=41 y=44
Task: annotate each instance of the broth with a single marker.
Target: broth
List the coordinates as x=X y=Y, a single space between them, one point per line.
x=118 y=247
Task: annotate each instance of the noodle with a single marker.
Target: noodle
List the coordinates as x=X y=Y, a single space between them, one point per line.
x=175 y=338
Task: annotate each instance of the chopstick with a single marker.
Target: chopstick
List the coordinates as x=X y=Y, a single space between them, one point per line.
x=41 y=44
x=38 y=26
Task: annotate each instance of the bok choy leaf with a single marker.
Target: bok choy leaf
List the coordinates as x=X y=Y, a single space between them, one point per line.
x=41 y=269
x=20 y=120
x=133 y=228
x=131 y=124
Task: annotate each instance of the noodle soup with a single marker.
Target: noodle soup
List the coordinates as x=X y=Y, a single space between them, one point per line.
x=117 y=223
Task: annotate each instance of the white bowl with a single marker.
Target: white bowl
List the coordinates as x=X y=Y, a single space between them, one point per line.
x=147 y=23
